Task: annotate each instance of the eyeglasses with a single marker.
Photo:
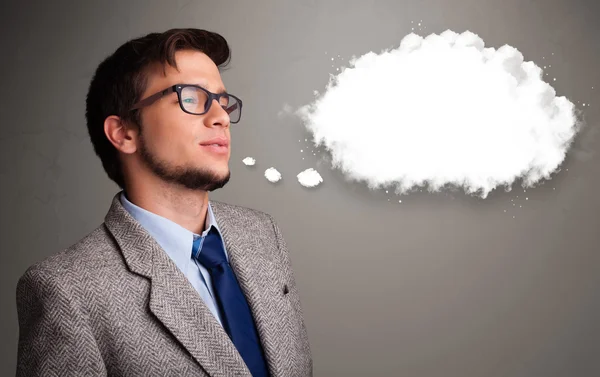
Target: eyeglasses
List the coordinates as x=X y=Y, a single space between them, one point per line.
x=194 y=99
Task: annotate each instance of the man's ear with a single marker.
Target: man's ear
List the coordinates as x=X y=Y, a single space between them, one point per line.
x=122 y=135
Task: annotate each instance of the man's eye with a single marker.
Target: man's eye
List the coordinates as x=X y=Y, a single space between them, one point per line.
x=189 y=100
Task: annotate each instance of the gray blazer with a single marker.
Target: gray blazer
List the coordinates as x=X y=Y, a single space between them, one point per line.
x=115 y=304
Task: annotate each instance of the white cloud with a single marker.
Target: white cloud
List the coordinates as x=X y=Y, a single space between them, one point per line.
x=442 y=110
x=249 y=161
x=309 y=178
x=272 y=175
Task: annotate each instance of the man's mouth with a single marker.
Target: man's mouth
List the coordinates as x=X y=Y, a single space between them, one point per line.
x=218 y=145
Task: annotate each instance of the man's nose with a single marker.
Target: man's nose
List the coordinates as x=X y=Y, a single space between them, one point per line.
x=217 y=116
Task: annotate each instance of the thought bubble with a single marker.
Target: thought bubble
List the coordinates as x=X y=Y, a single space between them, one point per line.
x=442 y=111
x=249 y=161
x=309 y=178
x=272 y=175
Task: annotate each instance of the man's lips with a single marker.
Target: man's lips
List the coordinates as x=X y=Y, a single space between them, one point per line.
x=221 y=142
x=217 y=145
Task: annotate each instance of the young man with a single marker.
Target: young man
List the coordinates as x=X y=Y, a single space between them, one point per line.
x=170 y=284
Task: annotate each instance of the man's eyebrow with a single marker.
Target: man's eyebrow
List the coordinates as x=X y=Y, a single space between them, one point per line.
x=203 y=85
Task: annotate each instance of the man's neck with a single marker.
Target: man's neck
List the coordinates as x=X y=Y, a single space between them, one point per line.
x=185 y=207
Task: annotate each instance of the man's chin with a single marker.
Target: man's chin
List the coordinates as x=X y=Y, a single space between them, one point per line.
x=215 y=185
x=205 y=181
x=218 y=180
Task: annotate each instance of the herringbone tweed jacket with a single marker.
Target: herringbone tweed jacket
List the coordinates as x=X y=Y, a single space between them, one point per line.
x=115 y=304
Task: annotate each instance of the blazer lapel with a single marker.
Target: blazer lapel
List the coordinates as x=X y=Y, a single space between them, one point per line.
x=173 y=299
x=251 y=258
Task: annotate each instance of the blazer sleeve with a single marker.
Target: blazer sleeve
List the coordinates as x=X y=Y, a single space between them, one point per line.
x=55 y=338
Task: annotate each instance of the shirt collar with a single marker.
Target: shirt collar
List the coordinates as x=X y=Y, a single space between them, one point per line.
x=176 y=240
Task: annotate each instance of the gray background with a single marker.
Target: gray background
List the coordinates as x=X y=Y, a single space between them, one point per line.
x=439 y=285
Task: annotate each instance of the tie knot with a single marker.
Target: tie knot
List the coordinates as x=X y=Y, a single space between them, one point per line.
x=211 y=254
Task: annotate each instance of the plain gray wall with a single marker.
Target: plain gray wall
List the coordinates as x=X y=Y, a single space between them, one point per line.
x=440 y=285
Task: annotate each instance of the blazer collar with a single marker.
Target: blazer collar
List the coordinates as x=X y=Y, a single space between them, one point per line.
x=173 y=299
x=253 y=257
x=176 y=303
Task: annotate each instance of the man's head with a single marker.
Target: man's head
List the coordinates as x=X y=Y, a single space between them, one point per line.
x=145 y=122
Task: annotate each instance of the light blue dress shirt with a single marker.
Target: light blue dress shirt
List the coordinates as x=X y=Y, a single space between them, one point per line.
x=177 y=243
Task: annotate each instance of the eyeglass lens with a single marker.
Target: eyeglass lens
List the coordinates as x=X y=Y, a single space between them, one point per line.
x=194 y=100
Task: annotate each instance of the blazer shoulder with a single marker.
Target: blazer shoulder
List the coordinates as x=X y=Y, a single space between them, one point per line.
x=89 y=251
x=239 y=211
x=253 y=221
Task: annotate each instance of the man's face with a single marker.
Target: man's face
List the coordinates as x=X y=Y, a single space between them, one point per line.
x=170 y=141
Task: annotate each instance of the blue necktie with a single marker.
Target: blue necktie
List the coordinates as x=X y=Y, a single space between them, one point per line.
x=237 y=318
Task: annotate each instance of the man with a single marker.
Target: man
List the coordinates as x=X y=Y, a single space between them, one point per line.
x=171 y=284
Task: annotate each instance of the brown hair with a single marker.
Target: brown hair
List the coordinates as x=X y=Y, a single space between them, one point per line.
x=121 y=79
